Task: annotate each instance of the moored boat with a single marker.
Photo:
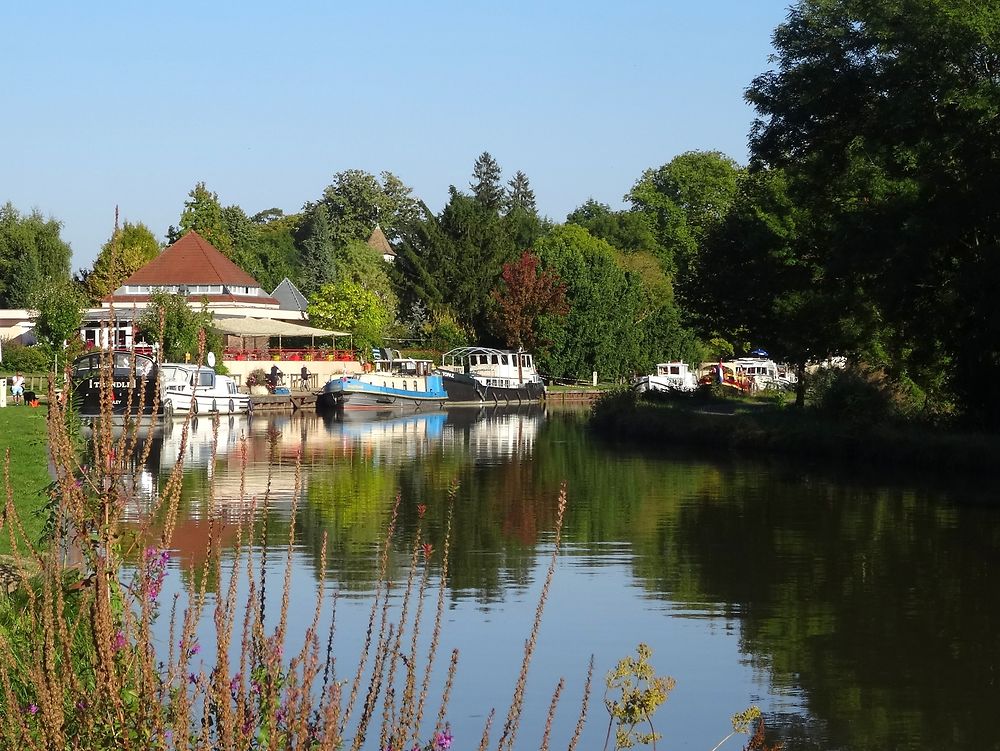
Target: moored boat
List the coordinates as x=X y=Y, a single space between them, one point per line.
x=765 y=373
x=669 y=376
x=475 y=375
x=396 y=382
x=186 y=387
x=725 y=374
x=132 y=382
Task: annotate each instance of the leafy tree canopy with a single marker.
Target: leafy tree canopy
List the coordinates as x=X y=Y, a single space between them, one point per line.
x=360 y=263
x=181 y=327
x=683 y=200
x=356 y=201
x=59 y=306
x=31 y=254
x=883 y=116
x=204 y=214
x=600 y=331
x=628 y=231
x=525 y=294
x=347 y=305
x=130 y=247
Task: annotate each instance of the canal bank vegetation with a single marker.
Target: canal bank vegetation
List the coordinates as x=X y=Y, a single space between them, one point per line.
x=83 y=664
x=849 y=416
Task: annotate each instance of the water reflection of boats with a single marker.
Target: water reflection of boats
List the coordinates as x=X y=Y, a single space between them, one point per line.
x=198 y=452
x=494 y=432
x=391 y=432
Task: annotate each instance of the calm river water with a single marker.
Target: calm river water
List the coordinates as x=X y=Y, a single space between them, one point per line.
x=857 y=612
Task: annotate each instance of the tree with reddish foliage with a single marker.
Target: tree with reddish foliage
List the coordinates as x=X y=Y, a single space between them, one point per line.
x=526 y=293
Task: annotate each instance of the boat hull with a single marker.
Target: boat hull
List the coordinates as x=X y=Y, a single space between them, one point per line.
x=356 y=394
x=464 y=389
x=224 y=404
x=666 y=384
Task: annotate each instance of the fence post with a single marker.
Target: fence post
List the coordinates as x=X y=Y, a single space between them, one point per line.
x=594 y=380
x=3 y=392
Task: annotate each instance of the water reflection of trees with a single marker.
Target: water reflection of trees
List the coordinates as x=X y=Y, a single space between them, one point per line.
x=877 y=606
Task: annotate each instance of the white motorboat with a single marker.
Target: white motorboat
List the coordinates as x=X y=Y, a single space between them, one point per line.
x=185 y=387
x=669 y=376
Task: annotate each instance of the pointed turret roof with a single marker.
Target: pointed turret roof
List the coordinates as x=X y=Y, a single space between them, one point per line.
x=191 y=260
x=289 y=297
x=380 y=242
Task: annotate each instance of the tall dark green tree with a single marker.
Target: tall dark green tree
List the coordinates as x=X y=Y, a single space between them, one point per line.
x=883 y=116
x=32 y=254
x=519 y=194
x=486 y=185
x=317 y=262
x=521 y=217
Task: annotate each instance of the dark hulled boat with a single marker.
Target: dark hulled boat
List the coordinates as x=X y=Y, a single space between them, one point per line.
x=477 y=375
x=132 y=382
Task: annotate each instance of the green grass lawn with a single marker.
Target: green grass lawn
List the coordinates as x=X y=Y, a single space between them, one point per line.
x=22 y=430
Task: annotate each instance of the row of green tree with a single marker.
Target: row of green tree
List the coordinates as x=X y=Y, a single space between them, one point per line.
x=865 y=224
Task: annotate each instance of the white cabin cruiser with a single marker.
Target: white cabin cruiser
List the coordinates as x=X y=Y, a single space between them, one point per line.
x=474 y=375
x=187 y=387
x=669 y=376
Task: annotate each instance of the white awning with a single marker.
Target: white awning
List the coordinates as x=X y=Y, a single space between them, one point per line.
x=247 y=326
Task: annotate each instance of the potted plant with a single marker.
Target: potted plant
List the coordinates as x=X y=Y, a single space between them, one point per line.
x=257 y=382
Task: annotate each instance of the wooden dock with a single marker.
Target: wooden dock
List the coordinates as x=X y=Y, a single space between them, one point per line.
x=272 y=402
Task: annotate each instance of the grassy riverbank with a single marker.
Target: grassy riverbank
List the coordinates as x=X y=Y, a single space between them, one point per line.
x=772 y=429
x=23 y=431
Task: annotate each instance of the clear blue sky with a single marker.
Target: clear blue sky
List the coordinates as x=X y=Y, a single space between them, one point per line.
x=132 y=103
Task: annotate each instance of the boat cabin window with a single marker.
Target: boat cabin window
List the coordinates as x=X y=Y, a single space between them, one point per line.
x=205 y=378
x=494 y=360
x=503 y=359
x=85 y=365
x=675 y=370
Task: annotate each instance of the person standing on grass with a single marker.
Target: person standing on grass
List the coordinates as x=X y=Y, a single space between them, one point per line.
x=17 y=388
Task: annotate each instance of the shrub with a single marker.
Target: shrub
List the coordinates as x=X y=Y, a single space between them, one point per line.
x=17 y=356
x=852 y=395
